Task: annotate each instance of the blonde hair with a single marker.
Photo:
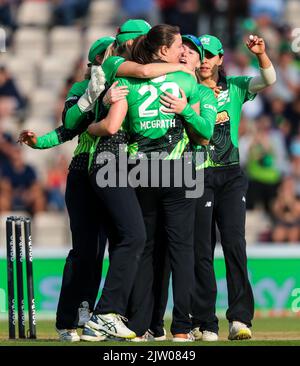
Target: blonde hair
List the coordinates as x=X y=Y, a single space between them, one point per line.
x=109 y=51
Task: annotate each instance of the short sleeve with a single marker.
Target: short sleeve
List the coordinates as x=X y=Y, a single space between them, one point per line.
x=242 y=85
x=77 y=90
x=122 y=81
x=110 y=67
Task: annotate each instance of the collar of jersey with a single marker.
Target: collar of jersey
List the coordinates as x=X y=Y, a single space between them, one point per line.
x=223 y=82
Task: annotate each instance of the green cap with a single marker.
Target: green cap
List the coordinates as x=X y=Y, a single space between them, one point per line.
x=132 y=29
x=212 y=44
x=99 y=47
x=196 y=42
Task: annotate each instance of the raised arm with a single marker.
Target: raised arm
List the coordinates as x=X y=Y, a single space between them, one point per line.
x=267 y=75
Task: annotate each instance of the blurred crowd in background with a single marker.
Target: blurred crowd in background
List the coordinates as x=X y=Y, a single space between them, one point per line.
x=43 y=51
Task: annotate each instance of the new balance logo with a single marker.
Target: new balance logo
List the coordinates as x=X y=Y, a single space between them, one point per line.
x=244 y=199
x=208 y=204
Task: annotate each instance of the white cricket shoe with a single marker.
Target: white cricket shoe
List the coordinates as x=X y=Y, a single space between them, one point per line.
x=197 y=334
x=68 y=335
x=150 y=337
x=143 y=338
x=83 y=314
x=92 y=335
x=153 y=337
x=184 y=337
x=208 y=336
x=238 y=331
x=112 y=324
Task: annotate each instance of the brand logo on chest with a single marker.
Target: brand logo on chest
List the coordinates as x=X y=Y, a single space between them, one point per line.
x=222 y=117
x=223 y=98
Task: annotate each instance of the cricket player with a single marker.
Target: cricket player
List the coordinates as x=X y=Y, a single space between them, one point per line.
x=83 y=268
x=150 y=130
x=224 y=199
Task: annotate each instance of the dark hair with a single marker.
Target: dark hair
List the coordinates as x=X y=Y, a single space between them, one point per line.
x=123 y=50
x=222 y=72
x=145 y=48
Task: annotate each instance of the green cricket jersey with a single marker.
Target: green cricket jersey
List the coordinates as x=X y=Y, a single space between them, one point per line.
x=150 y=129
x=223 y=147
x=74 y=117
x=208 y=105
x=110 y=67
x=74 y=124
x=108 y=144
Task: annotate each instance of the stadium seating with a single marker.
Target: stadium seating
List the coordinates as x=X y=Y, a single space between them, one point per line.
x=50 y=230
x=42 y=56
x=53 y=72
x=292 y=13
x=101 y=12
x=3 y=226
x=30 y=43
x=34 y=13
x=257 y=222
x=43 y=103
x=11 y=126
x=66 y=42
x=95 y=32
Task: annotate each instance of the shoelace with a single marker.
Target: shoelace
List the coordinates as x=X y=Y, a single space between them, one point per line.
x=191 y=336
x=121 y=318
x=70 y=331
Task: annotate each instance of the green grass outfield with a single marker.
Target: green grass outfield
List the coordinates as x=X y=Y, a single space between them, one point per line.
x=266 y=332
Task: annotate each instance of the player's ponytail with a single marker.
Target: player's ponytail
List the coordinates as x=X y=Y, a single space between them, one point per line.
x=111 y=49
x=145 y=48
x=122 y=50
x=140 y=51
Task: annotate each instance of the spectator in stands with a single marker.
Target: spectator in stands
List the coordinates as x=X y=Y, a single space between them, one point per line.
x=267 y=162
x=77 y=74
x=6 y=14
x=66 y=12
x=288 y=77
x=286 y=213
x=10 y=97
x=56 y=183
x=141 y=9
x=168 y=10
x=183 y=13
x=241 y=66
x=6 y=147
x=272 y=9
x=20 y=188
x=295 y=164
x=269 y=31
x=293 y=114
x=277 y=112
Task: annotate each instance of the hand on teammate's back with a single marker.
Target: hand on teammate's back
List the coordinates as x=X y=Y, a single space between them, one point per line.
x=115 y=93
x=173 y=104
